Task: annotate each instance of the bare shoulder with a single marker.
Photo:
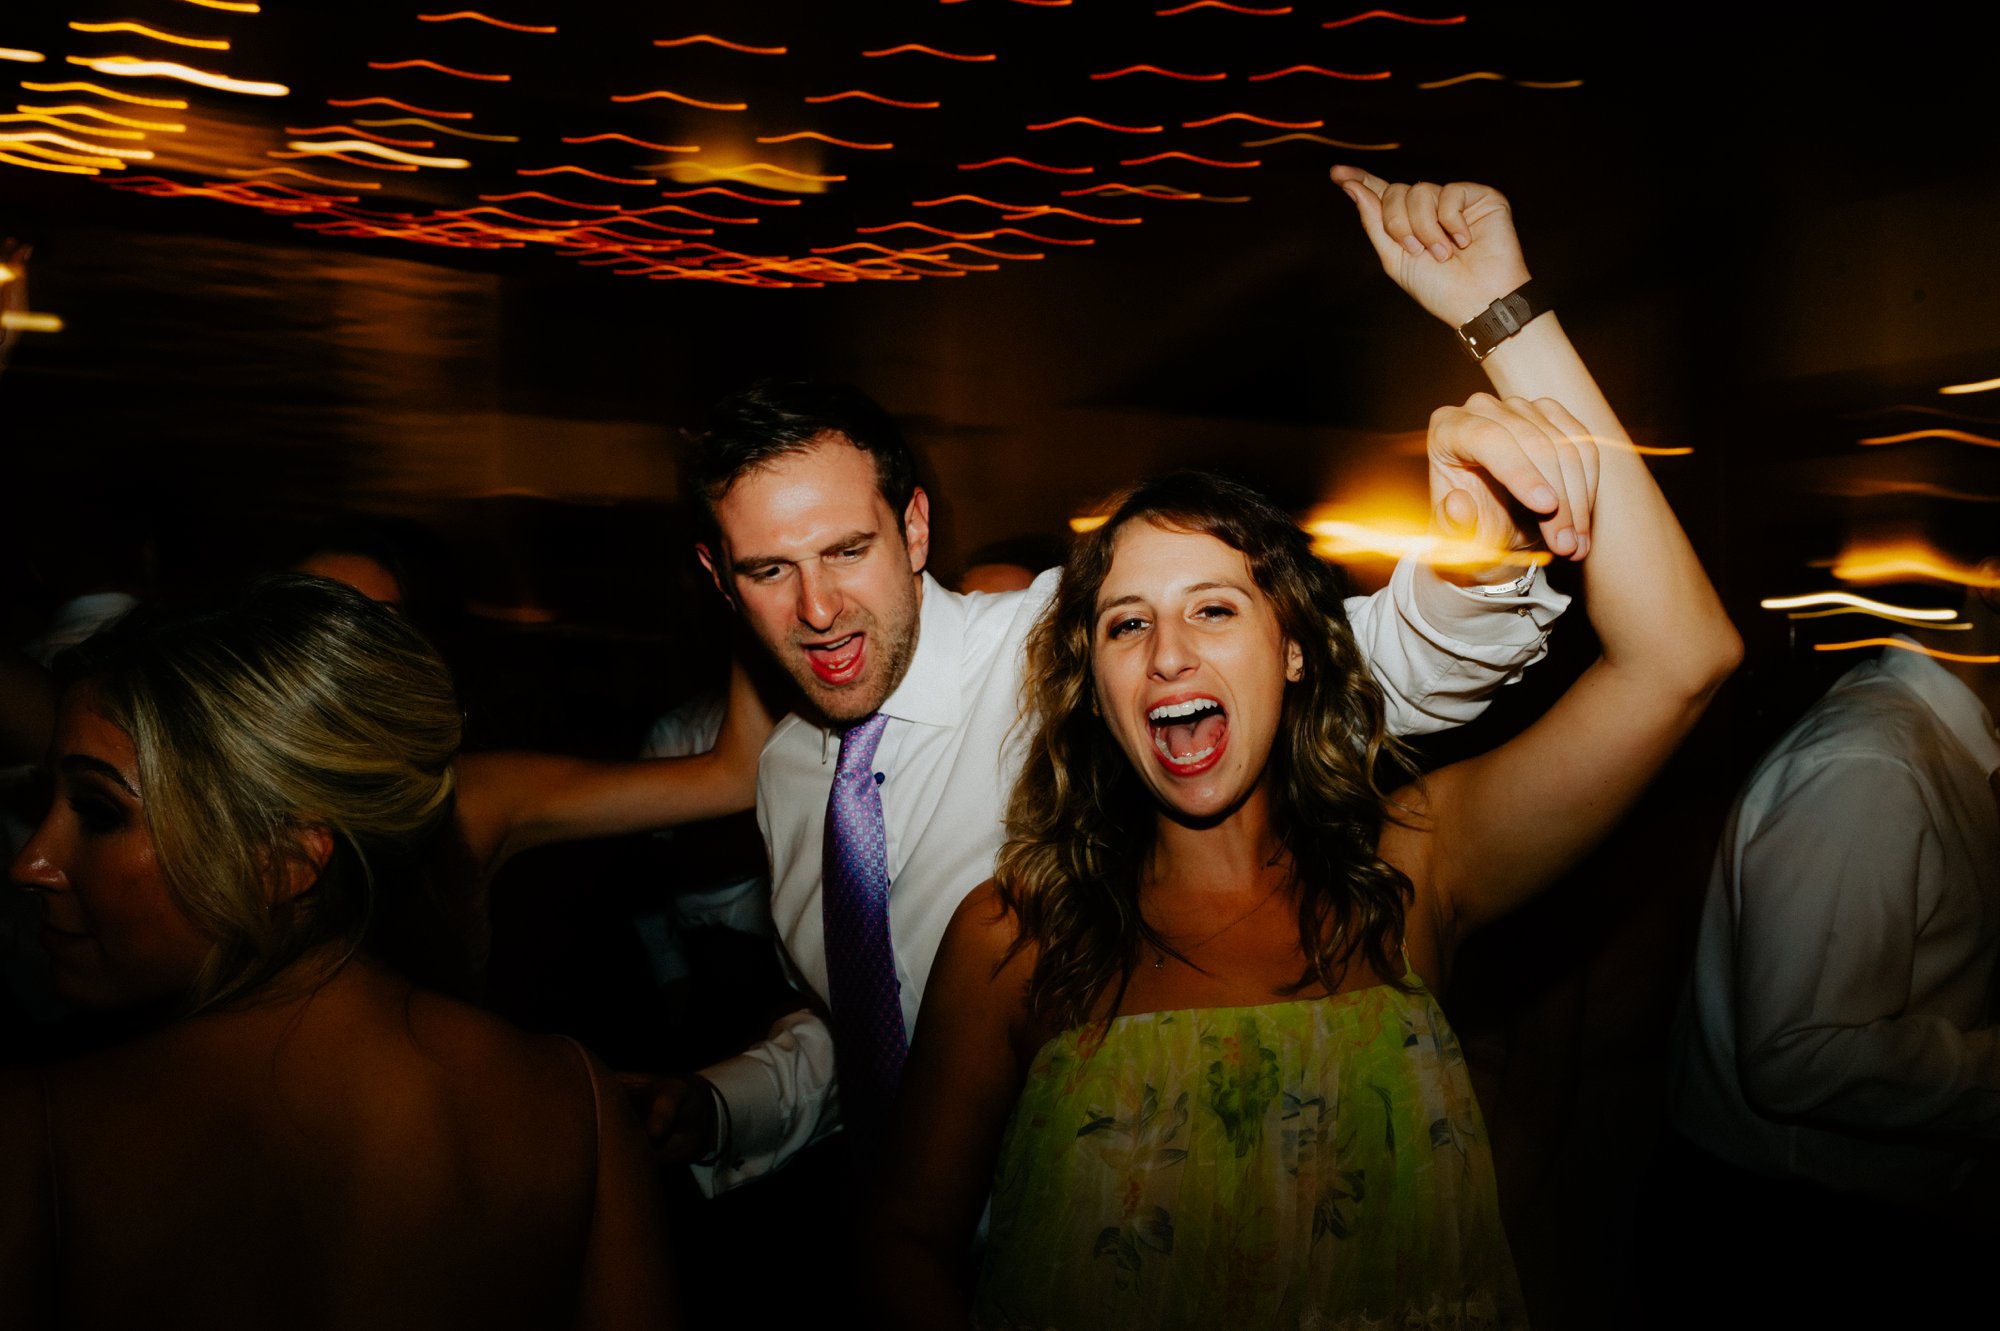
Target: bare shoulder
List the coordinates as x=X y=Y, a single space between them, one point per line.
x=982 y=933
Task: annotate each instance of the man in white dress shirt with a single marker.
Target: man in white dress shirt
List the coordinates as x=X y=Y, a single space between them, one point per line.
x=1837 y=1077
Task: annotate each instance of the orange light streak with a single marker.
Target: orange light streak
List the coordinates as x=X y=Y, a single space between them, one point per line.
x=1163 y=73
x=165 y=103
x=1894 y=619
x=199 y=43
x=1531 y=83
x=580 y=171
x=677 y=208
x=362 y=134
x=1204 y=161
x=639 y=143
x=1047 y=210
x=443 y=129
x=735 y=172
x=1463 y=78
x=24 y=321
x=303 y=175
x=340 y=147
x=442 y=69
x=921 y=226
x=126 y=66
x=1087 y=524
x=917 y=49
x=1400 y=18
x=1954 y=436
x=164 y=126
x=370 y=163
x=1900 y=645
x=1983 y=386
x=1041 y=239
x=1032 y=166
x=67 y=169
x=718 y=41
x=677 y=97
x=1335 y=538
x=876 y=97
x=1221 y=4
x=1886 y=563
x=1151 y=191
x=58 y=122
x=550 y=198
x=400 y=106
x=726 y=193
x=233 y=6
x=1258 y=120
x=1099 y=124
x=823 y=138
x=24 y=57
x=972 y=198
x=27 y=138
x=484 y=18
x=1321 y=138
x=1315 y=69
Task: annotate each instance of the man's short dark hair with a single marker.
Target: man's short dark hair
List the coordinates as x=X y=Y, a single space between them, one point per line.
x=771 y=419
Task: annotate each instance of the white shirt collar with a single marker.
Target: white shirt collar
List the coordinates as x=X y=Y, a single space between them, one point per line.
x=1957 y=706
x=930 y=693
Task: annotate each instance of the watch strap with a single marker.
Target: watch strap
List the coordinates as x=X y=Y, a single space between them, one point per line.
x=1502 y=319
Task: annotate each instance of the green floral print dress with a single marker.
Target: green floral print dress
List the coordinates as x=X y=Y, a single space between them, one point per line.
x=1319 y=1163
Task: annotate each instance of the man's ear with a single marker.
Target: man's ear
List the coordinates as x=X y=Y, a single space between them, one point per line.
x=299 y=872
x=1295 y=662
x=714 y=573
x=917 y=529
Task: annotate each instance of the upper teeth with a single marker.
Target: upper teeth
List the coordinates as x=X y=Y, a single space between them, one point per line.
x=1175 y=710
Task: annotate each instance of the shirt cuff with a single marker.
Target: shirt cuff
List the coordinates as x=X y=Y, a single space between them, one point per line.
x=1471 y=620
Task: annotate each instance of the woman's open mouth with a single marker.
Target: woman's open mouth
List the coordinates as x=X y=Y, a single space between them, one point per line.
x=1189 y=734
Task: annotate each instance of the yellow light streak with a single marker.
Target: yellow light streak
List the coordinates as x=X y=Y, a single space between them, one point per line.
x=21 y=321
x=64 y=140
x=1852 y=601
x=7 y=274
x=1902 y=646
x=376 y=150
x=1954 y=436
x=1903 y=560
x=57 y=155
x=59 y=123
x=47 y=166
x=126 y=25
x=1894 y=619
x=164 y=126
x=126 y=66
x=233 y=6
x=1335 y=538
x=1486 y=74
x=164 y=103
x=1983 y=386
x=442 y=129
x=1092 y=523
x=25 y=57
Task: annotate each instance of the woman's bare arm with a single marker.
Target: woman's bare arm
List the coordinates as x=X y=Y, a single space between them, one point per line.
x=959 y=1087
x=511 y=802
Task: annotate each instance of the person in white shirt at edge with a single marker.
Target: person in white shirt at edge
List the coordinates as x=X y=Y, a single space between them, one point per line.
x=1836 y=1082
x=820 y=538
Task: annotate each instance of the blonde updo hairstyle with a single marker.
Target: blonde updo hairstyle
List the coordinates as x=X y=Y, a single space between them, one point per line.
x=300 y=705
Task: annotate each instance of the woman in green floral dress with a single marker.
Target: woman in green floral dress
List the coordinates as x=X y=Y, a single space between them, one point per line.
x=1188 y=1037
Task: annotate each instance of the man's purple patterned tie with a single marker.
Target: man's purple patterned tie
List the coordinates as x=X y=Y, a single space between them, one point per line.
x=869 y=1039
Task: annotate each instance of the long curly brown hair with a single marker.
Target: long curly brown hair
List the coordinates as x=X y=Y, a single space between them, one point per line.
x=1080 y=823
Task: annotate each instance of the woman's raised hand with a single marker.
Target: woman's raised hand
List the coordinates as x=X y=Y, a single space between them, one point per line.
x=1452 y=247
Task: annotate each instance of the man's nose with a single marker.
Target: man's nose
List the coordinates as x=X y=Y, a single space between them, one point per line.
x=820 y=601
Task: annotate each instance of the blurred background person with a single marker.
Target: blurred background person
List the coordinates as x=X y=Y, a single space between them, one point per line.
x=292 y=1132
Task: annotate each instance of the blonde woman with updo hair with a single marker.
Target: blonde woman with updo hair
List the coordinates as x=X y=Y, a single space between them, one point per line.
x=243 y=798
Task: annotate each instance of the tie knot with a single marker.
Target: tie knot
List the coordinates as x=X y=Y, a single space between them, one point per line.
x=859 y=742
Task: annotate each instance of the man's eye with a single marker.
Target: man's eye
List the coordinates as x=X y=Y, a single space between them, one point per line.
x=767 y=574
x=851 y=554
